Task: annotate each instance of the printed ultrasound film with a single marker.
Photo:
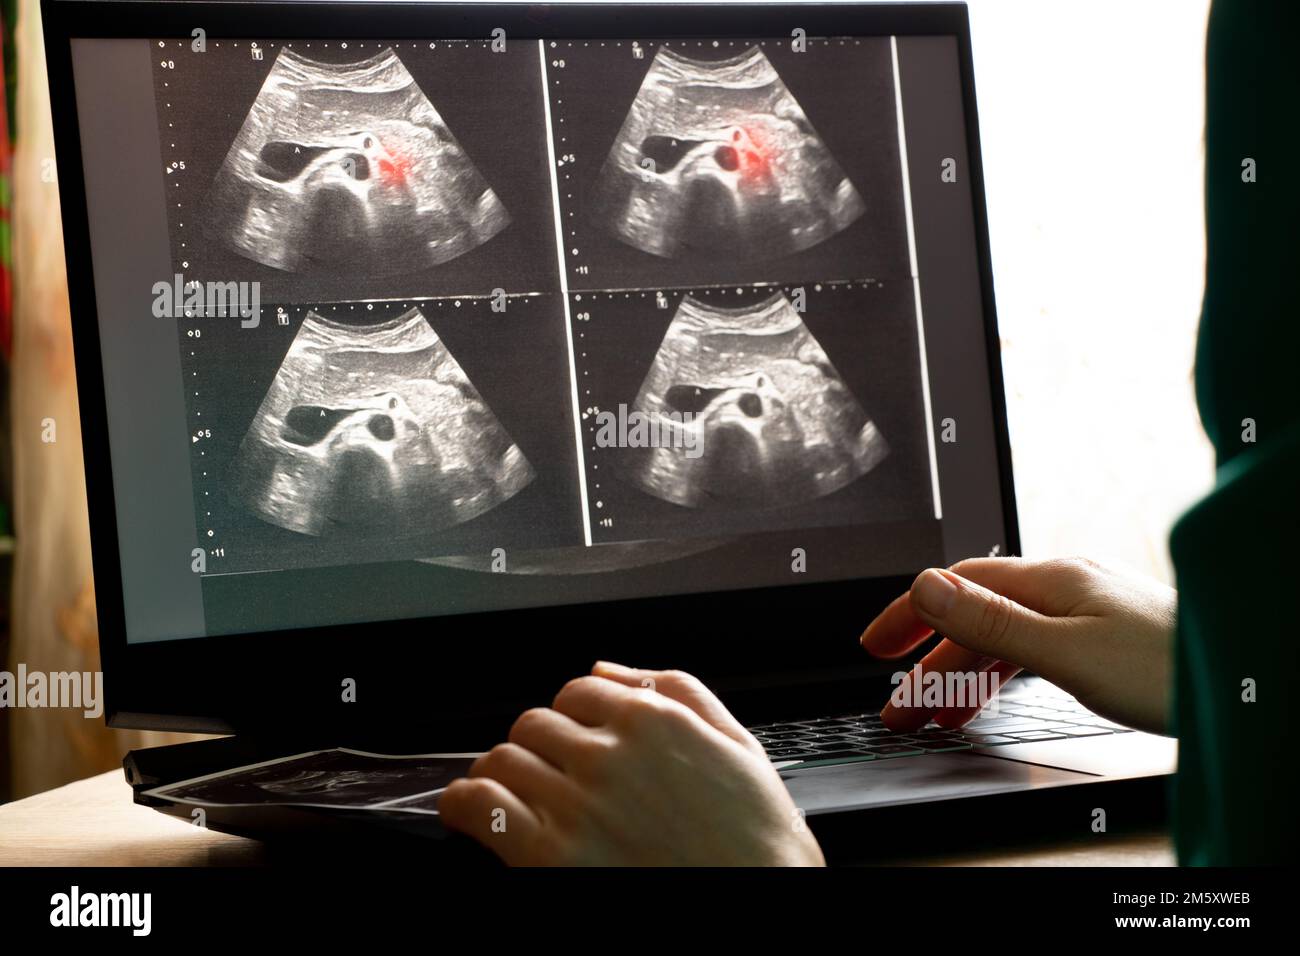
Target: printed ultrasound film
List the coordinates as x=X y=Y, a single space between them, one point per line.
x=357 y=170
x=693 y=163
x=337 y=779
x=381 y=431
x=710 y=413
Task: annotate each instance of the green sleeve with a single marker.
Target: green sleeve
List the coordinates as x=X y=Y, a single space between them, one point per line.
x=1234 y=552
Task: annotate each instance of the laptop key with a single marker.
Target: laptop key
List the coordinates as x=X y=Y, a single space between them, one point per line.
x=837 y=748
x=1093 y=721
x=830 y=755
x=1014 y=726
x=895 y=750
x=1046 y=713
x=936 y=746
x=991 y=722
x=1038 y=735
x=1083 y=731
x=787 y=753
x=991 y=740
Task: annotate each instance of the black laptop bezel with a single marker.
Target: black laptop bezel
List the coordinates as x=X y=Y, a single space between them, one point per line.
x=795 y=639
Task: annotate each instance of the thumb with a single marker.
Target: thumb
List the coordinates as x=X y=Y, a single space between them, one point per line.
x=983 y=621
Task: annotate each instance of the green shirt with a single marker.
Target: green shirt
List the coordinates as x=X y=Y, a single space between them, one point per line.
x=1234 y=551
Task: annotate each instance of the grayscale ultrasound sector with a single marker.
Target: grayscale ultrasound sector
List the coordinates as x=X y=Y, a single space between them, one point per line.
x=773 y=422
x=374 y=430
x=348 y=167
x=717 y=156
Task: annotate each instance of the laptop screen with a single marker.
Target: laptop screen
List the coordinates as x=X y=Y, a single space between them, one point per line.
x=415 y=327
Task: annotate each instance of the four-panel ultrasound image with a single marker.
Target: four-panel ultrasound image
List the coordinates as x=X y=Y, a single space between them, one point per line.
x=595 y=304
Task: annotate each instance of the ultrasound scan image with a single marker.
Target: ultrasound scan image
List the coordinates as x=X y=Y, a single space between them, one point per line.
x=773 y=421
x=336 y=778
x=348 y=167
x=655 y=209
x=719 y=157
x=374 y=430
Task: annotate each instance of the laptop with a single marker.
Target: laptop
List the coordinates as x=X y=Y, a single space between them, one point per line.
x=429 y=352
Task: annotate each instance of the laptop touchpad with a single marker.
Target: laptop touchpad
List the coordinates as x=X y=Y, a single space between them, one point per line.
x=878 y=783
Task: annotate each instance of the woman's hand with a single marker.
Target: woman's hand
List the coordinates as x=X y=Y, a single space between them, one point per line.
x=630 y=767
x=1103 y=636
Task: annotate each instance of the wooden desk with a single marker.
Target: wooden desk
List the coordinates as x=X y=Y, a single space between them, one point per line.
x=94 y=823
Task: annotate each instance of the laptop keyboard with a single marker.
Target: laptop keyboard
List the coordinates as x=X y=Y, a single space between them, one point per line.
x=1039 y=712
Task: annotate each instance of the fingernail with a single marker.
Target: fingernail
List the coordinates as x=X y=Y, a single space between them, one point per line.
x=933 y=593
